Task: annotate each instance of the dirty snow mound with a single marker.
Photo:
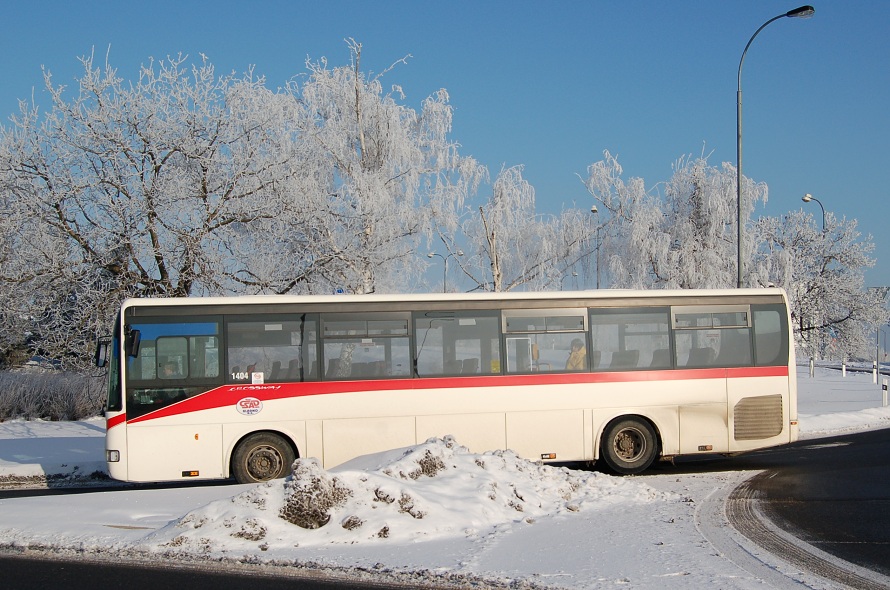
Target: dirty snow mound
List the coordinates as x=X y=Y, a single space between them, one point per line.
x=429 y=491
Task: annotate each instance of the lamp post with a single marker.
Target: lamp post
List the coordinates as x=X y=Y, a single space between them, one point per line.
x=882 y=294
x=596 y=244
x=884 y=339
x=801 y=12
x=807 y=198
x=445 y=270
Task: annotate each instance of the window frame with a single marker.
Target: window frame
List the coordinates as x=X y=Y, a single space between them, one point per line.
x=367 y=333
x=693 y=331
x=512 y=335
x=663 y=310
x=271 y=319
x=462 y=315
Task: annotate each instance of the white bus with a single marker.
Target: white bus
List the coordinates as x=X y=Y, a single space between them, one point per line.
x=204 y=388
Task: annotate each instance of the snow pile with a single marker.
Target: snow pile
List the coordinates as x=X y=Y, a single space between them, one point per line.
x=843 y=422
x=831 y=403
x=41 y=453
x=435 y=490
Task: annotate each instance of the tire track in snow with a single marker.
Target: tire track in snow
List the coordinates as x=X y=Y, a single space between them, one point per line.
x=803 y=565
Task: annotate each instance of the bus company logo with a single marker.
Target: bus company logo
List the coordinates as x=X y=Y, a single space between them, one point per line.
x=249 y=406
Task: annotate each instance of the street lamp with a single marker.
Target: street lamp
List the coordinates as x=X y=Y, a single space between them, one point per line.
x=445 y=270
x=801 y=12
x=596 y=240
x=807 y=198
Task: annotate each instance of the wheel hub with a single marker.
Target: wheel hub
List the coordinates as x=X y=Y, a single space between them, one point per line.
x=629 y=445
x=264 y=463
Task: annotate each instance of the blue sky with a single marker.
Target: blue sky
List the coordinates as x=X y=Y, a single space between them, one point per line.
x=551 y=84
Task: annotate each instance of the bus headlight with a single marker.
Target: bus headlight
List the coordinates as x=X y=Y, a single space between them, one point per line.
x=112 y=456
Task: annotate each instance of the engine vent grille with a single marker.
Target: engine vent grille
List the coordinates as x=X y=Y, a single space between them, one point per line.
x=758 y=417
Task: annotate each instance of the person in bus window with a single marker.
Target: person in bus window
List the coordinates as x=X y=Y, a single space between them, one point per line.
x=169 y=371
x=577 y=357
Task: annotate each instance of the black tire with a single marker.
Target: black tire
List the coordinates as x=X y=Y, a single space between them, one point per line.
x=262 y=457
x=629 y=446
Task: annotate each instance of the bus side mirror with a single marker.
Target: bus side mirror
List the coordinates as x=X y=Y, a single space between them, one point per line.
x=103 y=344
x=132 y=342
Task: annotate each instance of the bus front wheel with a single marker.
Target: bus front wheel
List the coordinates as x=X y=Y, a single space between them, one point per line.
x=262 y=457
x=629 y=446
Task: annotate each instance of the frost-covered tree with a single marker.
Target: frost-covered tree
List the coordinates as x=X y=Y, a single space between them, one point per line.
x=378 y=174
x=823 y=272
x=514 y=248
x=685 y=237
x=185 y=183
x=682 y=237
x=134 y=189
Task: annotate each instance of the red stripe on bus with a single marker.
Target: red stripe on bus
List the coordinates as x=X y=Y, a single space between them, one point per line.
x=114 y=421
x=229 y=395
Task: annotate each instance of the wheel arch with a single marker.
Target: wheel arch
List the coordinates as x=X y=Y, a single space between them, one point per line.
x=280 y=433
x=607 y=423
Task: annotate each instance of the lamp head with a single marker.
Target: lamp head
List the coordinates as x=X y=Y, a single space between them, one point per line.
x=807 y=198
x=594 y=209
x=431 y=254
x=802 y=12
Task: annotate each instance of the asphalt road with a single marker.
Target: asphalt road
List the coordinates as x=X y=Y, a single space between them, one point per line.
x=833 y=493
x=21 y=573
x=28 y=573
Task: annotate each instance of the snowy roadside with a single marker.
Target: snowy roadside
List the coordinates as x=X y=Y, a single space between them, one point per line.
x=434 y=513
x=52 y=454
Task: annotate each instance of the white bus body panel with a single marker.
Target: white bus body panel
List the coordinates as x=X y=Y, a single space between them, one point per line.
x=557 y=434
x=477 y=432
x=116 y=440
x=163 y=453
x=555 y=425
x=703 y=428
x=346 y=439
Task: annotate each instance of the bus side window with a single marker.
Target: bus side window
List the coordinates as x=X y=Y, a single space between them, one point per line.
x=175 y=351
x=271 y=348
x=770 y=326
x=366 y=346
x=712 y=336
x=630 y=339
x=456 y=343
x=735 y=348
x=545 y=340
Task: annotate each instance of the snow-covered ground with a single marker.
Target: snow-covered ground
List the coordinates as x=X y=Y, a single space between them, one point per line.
x=432 y=513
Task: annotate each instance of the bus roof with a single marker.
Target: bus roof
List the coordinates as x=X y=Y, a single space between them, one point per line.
x=509 y=296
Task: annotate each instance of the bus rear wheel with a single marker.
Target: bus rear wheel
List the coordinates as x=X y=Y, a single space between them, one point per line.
x=262 y=457
x=629 y=446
